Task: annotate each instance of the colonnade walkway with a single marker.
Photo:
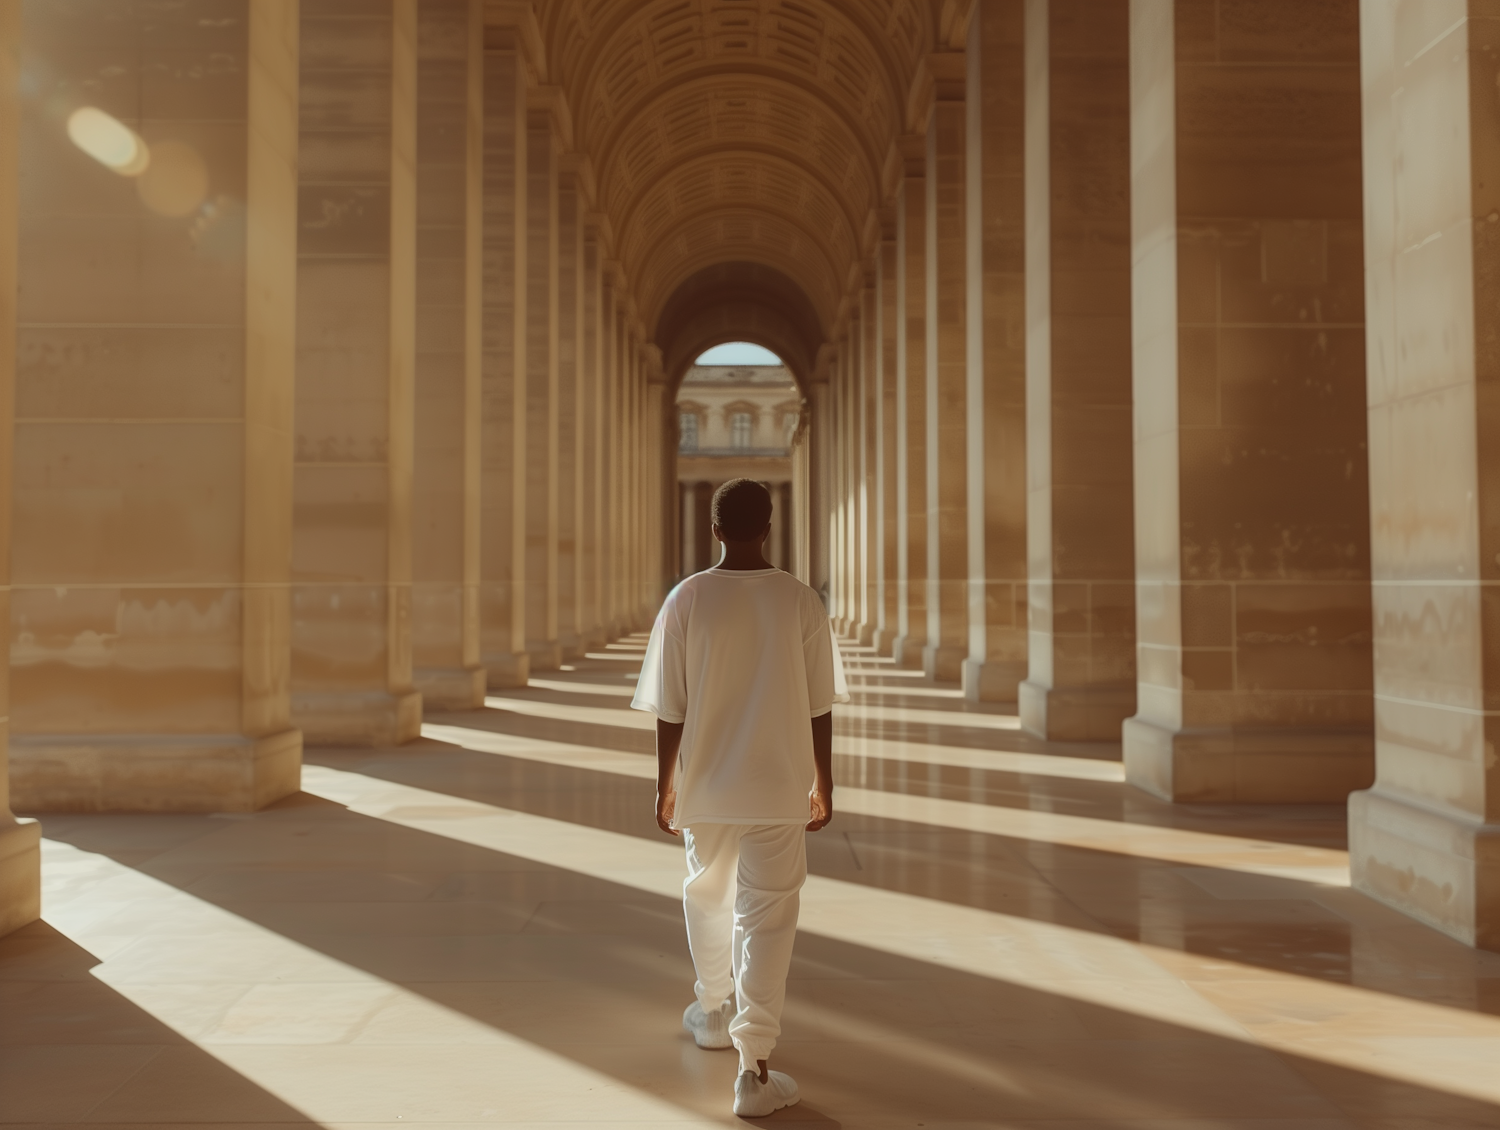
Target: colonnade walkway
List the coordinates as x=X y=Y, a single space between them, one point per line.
x=484 y=927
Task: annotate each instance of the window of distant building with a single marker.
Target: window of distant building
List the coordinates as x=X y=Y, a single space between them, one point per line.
x=688 y=427
x=740 y=425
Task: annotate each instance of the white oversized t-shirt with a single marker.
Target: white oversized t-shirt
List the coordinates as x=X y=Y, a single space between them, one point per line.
x=746 y=659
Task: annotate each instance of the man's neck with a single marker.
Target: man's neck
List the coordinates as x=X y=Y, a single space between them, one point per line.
x=743 y=557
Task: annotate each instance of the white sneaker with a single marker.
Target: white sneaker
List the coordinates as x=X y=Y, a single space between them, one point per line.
x=709 y=1029
x=754 y=1099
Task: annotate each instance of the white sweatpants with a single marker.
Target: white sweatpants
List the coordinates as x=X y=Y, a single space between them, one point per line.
x=741 y=899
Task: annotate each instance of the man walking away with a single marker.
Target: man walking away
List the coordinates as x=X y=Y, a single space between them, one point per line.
x=742 y=674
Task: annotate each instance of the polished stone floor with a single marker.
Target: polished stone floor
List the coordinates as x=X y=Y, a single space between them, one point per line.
x=484 y=927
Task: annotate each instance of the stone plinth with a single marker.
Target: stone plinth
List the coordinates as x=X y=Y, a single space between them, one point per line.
x=1081 y=680
x=1251 y=511
x=153 y=401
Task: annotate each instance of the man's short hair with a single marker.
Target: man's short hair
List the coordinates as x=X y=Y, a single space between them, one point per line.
x=741 y=509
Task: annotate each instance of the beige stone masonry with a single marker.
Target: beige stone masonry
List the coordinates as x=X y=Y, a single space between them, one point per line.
x=1251 y=506
x=20 y=858
x=1081 y=685
x=996 y=353
x=356 y=269
x=151 y=468
x=543 y=490
x=1426 y=838
x=946 y=514
x=571 y=207
x=503 y=437
x=449 y=383
x=911 y=407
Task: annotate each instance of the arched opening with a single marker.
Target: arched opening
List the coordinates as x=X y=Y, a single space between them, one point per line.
x=739 y=410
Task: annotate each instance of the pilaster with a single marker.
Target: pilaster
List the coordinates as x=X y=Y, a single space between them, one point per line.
x=947 y=517
x=150 y=465
x=1081 y=681
x=448 y=400
x=543 y=154
x=911 y=406
x=1251 y=503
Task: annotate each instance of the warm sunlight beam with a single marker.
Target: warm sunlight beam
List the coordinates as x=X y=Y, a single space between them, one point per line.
x=109 y=141
x=1096 y=968
x=296 y=1022
x=1144 y=841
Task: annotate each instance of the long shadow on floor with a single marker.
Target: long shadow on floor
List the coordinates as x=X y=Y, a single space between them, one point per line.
x=1280 y=924
x=599 y=972
x=73 y=1050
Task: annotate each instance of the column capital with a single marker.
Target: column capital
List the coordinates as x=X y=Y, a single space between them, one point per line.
x=552 y=103
x=579 y=165
x=942 y=76
x=905 y=160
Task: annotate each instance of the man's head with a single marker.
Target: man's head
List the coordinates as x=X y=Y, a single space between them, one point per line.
x=741 y=510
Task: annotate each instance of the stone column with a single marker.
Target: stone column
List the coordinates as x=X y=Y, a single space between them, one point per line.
x=570 y=210
x=543 y=153
x=687 y=508
x=503 y=444
x=450 y=233
x=20 y=852
x=947 y=515
x=887 y=312
x=996 y=338
x=1426 y=838
x=630 y=532
x=911 y=405
x=356 y=273
x=151 y=461
x=609 y=438
x=591 y=429
x=1081 y=684
x=869 y=547
x=819 y=494
x=1251 y=511
x=844 y=484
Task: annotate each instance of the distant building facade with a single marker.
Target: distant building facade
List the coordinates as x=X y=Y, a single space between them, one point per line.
x=735 y=421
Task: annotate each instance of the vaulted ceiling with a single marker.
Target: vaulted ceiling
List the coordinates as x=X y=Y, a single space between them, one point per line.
x=738 y=146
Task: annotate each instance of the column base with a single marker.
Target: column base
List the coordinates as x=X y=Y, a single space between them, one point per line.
x=944 y=662
x=1075 y=714
x=1216 y=766
x=884 y=642
x=865 y=633
x=1439 y=866
x=507 y=670
x=450 y=688
x=990 y=680
x=153 y=772
x=546 y=656
x=375 y=718
x=907 y=652
x=20 y=873
x=570 y=647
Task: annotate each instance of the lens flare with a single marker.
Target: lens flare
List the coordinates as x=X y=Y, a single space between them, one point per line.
x=109 y=141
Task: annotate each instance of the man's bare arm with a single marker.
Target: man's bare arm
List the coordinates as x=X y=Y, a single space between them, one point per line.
x=822 y=794
x=668 y=742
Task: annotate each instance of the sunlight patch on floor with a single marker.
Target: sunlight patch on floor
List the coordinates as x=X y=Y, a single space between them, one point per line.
x=1095 y=968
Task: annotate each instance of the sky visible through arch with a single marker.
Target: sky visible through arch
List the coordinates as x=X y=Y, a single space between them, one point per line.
x=738 y=353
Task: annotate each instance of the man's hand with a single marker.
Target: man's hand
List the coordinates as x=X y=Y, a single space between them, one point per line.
x=821 y=802
x=821 y=798
x=666 y=808
x=668 y=741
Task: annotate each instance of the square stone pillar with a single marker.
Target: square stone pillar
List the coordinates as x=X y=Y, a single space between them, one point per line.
x=869 y=468
x=848 y=478
x=995 y=85
x=887 y=311
x=356 y=357
x=570 y=406
x=1426 y=838
x=947 y=514
x=151 y=463
x=911 y=404
x=448 y=401
x=20 y=853
x=819 y=487
x=591 y=432
x=544 y=149
x=503 y=442
x=1251 y=505
x=1081 y=685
